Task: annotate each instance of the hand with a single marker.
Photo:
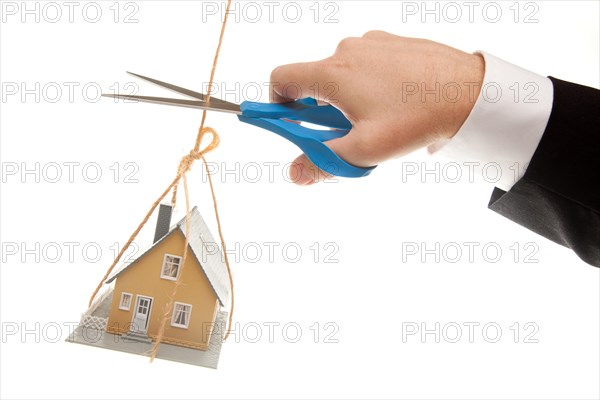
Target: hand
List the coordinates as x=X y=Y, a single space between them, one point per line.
x=400 y=94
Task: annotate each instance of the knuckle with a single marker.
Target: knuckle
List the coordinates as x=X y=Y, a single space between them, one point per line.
x=374 y=34
x=348 y=43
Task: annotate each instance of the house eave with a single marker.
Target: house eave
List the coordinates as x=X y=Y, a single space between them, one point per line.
x=173 y=230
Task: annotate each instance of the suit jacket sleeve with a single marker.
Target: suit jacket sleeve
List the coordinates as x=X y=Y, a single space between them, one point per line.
x=559 y=194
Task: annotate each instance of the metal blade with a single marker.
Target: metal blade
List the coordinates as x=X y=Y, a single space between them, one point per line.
x=197 y=104
x=183 y=91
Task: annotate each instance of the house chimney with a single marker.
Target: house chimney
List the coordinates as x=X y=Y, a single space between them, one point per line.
x=163 y=222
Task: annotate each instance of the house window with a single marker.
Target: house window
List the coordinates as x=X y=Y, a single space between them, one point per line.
x=170 y=268
x=181 y=315
x=125 y=303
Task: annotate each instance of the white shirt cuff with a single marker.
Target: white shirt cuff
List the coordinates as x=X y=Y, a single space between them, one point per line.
x=506 y=123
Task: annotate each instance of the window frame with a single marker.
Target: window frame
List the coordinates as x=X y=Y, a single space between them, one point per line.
x=121 y=306
x=189 y=316
x=164 y=263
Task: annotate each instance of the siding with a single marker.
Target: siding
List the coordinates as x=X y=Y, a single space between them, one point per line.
x=143 y=278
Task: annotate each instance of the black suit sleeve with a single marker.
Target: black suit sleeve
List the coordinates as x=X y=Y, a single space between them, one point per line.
x=559 y=195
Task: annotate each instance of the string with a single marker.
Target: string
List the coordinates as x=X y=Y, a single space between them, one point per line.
x=169 y=305
x=132 y=237
x=184 y=166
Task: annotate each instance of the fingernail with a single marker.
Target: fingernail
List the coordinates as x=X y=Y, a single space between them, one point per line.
x=305 y=178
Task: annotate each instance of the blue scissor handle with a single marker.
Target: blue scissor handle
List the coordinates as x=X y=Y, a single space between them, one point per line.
x=310 y=141
x=307 y=110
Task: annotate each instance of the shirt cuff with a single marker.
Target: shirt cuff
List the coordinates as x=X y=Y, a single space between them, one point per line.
x=506 y=124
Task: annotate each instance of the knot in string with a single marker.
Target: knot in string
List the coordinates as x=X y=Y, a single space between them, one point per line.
x=196 y=153
x=186 y=162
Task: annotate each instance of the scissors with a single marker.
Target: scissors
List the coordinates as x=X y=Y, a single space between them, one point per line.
x=276 y=118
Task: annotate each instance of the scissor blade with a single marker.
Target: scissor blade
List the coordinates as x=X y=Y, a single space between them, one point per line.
x=197 y=104
x=183 y=91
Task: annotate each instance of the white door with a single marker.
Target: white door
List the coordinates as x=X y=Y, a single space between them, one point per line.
x=141 y=314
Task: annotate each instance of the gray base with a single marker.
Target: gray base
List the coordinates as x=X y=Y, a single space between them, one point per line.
x=209 y=358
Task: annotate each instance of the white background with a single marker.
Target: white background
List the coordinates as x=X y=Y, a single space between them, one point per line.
x=373 y=289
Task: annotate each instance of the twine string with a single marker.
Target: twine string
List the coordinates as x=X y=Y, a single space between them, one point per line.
x=185 y=165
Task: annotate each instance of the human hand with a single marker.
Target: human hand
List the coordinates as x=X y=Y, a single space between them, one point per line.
x=400 y=94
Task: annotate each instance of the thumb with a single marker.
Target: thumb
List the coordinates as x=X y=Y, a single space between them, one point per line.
x=303 y=172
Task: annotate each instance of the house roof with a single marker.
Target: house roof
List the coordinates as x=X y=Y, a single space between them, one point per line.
x=206 y=251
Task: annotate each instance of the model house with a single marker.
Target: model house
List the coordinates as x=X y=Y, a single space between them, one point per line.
x=139 y=292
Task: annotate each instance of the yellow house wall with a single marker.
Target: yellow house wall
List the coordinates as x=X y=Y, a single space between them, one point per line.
x=143 y=278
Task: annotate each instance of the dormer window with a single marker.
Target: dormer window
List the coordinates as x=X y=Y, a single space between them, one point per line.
x=170 y=267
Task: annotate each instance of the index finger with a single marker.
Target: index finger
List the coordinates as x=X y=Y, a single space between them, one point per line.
x=296 y=81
